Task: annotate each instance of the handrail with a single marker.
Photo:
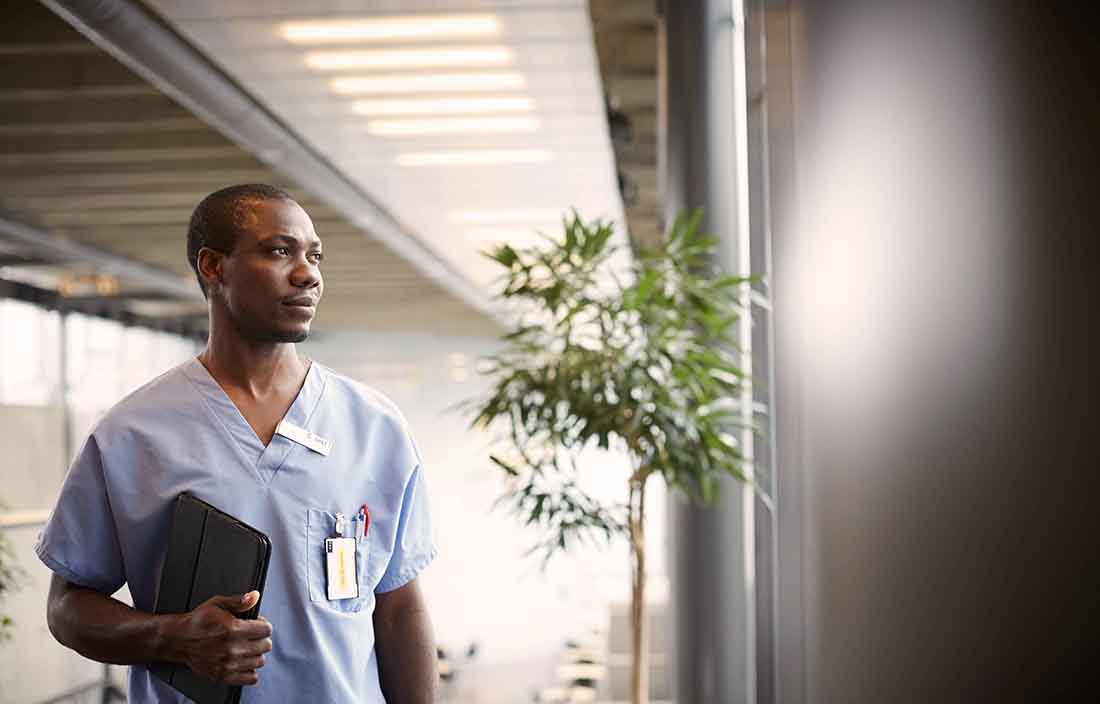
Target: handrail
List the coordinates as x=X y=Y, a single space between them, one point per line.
x=24 y=519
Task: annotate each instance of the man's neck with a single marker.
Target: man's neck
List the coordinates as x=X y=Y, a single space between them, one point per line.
x=258 y=369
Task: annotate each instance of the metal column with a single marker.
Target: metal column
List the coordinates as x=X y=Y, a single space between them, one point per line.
x=711 y=562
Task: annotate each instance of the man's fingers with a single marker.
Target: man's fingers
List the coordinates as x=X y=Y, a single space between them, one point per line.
x=253 y=629
x=250 y=648
x=245 y=677
x=247 y=664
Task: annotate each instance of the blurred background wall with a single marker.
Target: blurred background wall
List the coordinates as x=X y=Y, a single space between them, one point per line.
x=933 y=215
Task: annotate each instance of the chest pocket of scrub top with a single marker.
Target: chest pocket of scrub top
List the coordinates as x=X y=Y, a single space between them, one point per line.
x=319 y=526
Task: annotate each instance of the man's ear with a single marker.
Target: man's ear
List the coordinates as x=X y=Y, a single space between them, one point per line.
x=210 y=265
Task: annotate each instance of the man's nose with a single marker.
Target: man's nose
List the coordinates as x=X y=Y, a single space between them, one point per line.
x=306 y=274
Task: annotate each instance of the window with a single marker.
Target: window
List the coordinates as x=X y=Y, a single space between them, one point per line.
x=30 y=367
x=104 y=360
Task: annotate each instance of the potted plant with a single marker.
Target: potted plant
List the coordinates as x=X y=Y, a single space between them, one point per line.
x=641 y=361
x=10 y=575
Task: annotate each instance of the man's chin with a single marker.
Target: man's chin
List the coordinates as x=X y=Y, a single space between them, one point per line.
x=283 y=334
x=291 y=335
x=272 y=331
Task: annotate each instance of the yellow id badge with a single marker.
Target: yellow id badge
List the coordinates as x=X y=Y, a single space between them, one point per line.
x=343 y=582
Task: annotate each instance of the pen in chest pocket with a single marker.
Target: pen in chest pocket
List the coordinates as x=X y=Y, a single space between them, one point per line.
x=362 y=522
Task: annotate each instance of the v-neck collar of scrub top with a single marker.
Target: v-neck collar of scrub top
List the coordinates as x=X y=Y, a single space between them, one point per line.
x=263 y=461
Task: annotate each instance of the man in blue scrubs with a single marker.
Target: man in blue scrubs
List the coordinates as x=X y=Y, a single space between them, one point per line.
x=281 y=443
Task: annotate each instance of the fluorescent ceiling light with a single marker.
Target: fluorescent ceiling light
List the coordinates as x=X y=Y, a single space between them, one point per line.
x=427 y=83
x=457 y=125
x=520 y=235
x=478 y=157
x=493 y=217
x=410 y=58
x=388 y=29
x=444 y=106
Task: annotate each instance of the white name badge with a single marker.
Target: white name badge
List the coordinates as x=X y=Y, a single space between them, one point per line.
x=340 y=568
x=304 y=437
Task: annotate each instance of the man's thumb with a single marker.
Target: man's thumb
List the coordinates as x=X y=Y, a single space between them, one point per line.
x=239 y=602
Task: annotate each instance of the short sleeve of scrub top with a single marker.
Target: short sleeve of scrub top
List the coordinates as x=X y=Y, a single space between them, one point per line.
x=413 y=547
x=80 y=541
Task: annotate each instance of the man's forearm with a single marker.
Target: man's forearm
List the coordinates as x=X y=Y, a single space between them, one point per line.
x=407 y=662
x=209 y=639
x=104 y=629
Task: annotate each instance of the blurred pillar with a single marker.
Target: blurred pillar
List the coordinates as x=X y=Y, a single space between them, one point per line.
x=711 y=559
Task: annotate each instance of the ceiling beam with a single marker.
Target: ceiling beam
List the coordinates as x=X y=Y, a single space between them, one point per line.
x=17 y=260
x=169 y=162
x=64 y=72
x=44 y=245
x=88 y=107
x=122 y=297
x=102 y=127
x=153 y=179
x=189 y=325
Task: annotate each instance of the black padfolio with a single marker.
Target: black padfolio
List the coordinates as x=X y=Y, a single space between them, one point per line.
x=209 y=553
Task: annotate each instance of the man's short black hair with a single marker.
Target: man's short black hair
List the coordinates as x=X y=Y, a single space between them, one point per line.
x=218 y=217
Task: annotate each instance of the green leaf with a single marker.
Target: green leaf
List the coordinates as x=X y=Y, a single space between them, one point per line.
x=504 y=465
x=504 y=255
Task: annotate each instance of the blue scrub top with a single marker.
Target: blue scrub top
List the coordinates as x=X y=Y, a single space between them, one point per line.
x=181 y=432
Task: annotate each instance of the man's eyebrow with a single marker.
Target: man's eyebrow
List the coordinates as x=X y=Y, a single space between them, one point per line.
x=289 y=239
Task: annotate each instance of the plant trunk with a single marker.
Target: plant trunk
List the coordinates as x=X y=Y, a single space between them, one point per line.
x=639 y=674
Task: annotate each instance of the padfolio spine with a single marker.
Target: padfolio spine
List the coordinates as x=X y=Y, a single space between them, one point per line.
x=229 y=561
x=174 y=595
x=207 y=548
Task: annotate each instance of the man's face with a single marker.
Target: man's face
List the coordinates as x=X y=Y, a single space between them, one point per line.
x=271 y=282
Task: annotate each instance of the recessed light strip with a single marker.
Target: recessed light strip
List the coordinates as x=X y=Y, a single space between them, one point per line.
x=473 y=158
x=494 y=217
x=409 y=58
x=457 y=125
x=389 y=29
x=427 y=83
x=444 y=106
x=520 y=233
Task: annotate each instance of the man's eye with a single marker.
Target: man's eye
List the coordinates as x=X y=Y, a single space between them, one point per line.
x=316 y=257
x=281 y=251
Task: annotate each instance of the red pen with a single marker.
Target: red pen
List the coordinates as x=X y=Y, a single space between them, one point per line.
x=364 y=518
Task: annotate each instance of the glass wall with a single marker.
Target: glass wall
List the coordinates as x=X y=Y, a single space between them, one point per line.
x=103 y=360
x=59 y=373
x=30 y=350
x=107 y=360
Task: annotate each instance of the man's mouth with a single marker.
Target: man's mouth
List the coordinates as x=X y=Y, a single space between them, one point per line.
x=301 y=302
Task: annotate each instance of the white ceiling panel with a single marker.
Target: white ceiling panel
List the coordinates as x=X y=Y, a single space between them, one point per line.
x=239 y=9
x=517 y=133
x=518 y=27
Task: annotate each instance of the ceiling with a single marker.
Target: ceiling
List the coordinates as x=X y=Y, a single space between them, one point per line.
x=93 y=155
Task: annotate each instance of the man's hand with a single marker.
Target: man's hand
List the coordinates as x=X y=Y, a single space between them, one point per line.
x=217 y=645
